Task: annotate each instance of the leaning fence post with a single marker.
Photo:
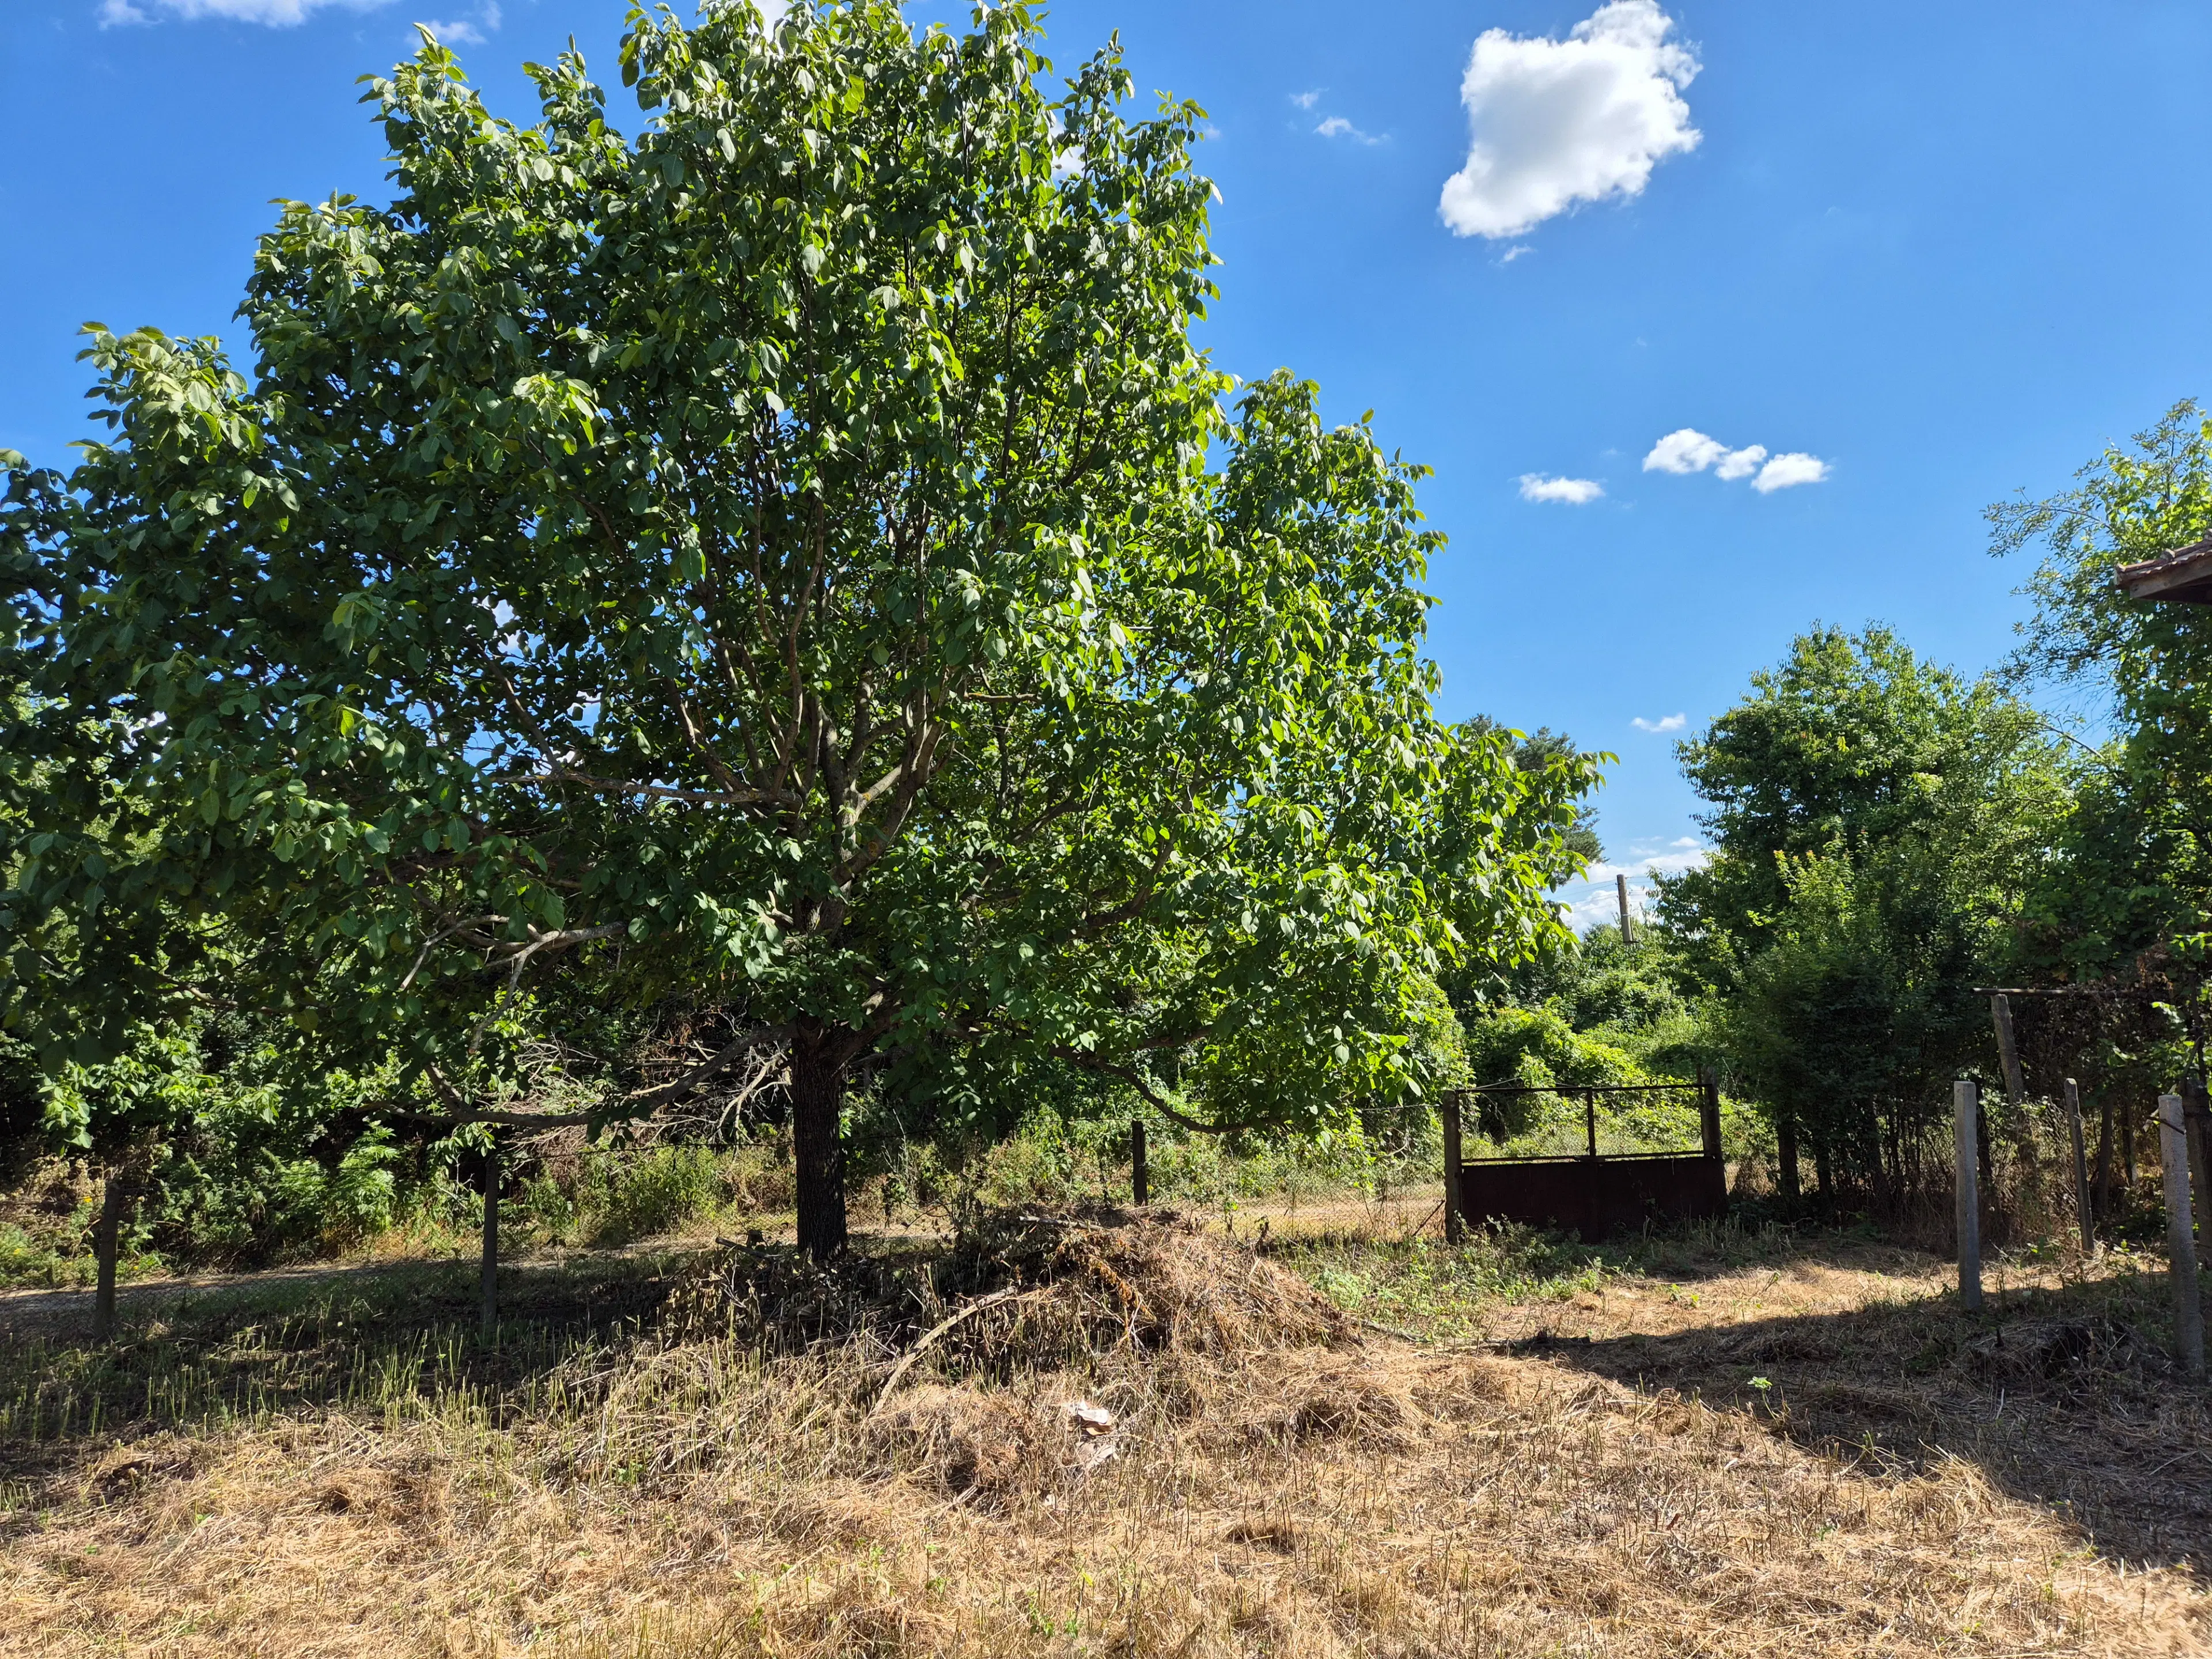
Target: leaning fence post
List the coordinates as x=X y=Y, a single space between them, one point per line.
x=491 y=1239
x=1449 y=1112
x=2181 y=1236
x=1140 y=1175
x=2080 y=1167
x=1963 y=1111
x=2007 y=1050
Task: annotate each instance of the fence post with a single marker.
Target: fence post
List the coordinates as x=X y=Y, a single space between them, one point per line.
x=2180 y=1235
x=491 y=1239
x=2008 y=1050
x=107 y=1241
x=1140 y=1175
x=2080 y=1167
x=2193 y=1119
x=1709 y=1110
x=1963 y=1112
x=1449 y=1112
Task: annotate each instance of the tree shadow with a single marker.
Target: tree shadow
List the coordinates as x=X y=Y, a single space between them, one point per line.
x=2065 y=1397
x=376 y=1338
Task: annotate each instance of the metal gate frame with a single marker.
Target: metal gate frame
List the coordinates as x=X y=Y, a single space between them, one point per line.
x=1592 y=1195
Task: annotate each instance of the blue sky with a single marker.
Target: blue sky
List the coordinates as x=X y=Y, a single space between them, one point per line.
x=1943 y=251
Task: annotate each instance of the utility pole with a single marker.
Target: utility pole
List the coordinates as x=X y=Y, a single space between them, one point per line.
x=1621 y=886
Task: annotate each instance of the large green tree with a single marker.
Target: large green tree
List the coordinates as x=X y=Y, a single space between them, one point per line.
x=2129 y=888
x=795 y=551
x=1876 y=819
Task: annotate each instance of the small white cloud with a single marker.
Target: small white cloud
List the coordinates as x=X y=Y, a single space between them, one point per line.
x=1575 y=492
x=1514 y=252
x=1337 y=127
x=1552 y=122
x=277 y=14
x=1740 y=463
x=1306 y=99
x=1787 y=471
x=466 y=32
x=1668 y=723
x=1686 y=451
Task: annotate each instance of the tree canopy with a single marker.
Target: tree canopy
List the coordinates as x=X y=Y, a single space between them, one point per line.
x=796 y=554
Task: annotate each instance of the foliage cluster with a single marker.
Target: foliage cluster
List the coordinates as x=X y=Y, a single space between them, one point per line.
x=770 y=612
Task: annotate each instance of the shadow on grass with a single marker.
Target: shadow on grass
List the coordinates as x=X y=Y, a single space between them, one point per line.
x=386 y=1340
x=2065 y=1397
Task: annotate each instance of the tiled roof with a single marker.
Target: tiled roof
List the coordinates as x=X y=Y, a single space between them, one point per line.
x=2182 y=574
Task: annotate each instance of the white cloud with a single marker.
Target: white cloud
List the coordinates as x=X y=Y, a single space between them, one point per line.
x=1514 y=252
x=1688 y=450
x=1786 y=472
x=1306 y=99
x=1337 y=127
x=1575 y=492
x=1740 y=463
x=284 y=14
x=1552 y=122
x=1667 y=723
x=278 y=14
x=464 y=31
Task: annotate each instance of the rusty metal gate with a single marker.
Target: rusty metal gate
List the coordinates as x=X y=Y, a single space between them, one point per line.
x=1593 y=1194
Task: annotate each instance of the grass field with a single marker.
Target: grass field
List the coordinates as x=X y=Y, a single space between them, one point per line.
x=1345 y=1441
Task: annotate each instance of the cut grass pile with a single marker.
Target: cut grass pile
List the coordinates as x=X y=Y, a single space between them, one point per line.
x=633 y=1475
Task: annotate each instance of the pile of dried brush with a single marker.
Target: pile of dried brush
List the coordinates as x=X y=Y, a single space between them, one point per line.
x=969 y=1367
x=1017 y=1292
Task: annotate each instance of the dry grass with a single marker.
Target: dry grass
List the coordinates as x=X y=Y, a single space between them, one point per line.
x=352 y=1478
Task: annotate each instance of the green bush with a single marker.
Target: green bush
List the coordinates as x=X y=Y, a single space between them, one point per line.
x=627 y=1196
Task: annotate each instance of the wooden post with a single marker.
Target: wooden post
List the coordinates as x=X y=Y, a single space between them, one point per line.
x=2101 y=1182
x=1453 y=1205
x=491 y=1240
x=1140 y=1175
x=2080 y=1168
x=2193 y=1121
x=2180 y=1236
x=1589 y=1116
x=1621 y=886
x=107 y=1245
x=1964 y=1105
x=2007 y=1051
x=1709 y=1111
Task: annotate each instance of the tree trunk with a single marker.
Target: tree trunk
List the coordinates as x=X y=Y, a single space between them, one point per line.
x=1785 y=1152
x=1823 y=1174
x=817 y=1094
x=106 y=1242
